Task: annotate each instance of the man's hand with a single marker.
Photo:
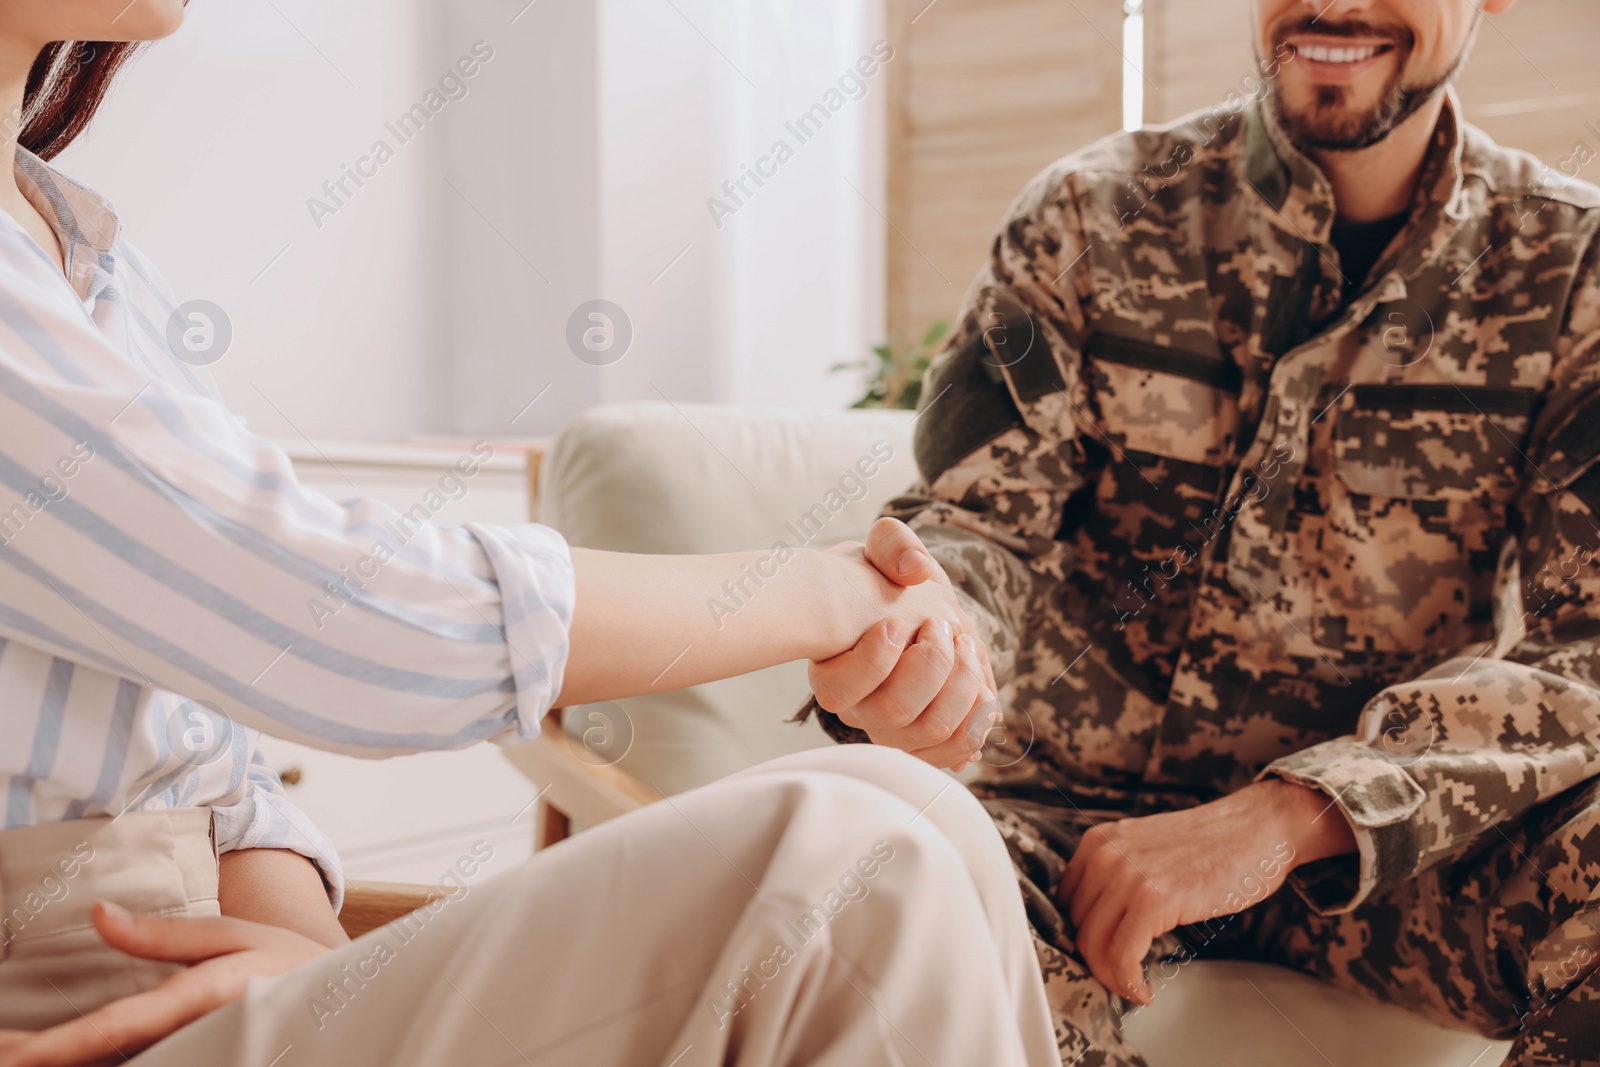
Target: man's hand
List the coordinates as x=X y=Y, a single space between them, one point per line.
x=1133 y=880
x=933 y=696
x=222 y=953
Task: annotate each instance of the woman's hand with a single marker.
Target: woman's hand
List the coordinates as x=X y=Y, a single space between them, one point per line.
x=934 y=696
x=871 y=595
x=642 y=624
x=222 y=954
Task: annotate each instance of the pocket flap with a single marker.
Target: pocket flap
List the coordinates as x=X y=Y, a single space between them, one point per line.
x=1209 y=370
x=1163 y=401
x=1432 y=442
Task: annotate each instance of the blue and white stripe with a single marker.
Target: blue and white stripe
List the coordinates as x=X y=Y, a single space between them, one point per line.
x=180 y=562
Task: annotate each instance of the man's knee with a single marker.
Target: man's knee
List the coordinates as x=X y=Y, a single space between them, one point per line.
x=1561 y=854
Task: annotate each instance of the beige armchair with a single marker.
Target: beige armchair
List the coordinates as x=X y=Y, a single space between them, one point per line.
x=654 y=477
x=643 y=478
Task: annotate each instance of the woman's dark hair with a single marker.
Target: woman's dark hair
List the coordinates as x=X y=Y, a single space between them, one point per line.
x=65 y=86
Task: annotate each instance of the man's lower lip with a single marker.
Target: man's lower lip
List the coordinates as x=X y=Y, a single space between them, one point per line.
x=1338 y=73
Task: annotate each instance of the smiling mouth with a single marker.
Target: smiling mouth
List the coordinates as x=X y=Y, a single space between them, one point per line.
x=1343 y=54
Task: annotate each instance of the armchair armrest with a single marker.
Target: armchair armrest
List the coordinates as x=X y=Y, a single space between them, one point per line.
x=369 y=905
x=574 y=789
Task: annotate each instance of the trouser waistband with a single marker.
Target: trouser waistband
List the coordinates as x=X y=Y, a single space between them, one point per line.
x=52 y=874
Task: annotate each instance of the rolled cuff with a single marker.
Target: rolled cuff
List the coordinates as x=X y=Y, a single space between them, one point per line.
x=1379 y=799
x=538 y=589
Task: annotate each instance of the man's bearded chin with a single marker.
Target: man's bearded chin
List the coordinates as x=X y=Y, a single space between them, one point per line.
x=1330 y=124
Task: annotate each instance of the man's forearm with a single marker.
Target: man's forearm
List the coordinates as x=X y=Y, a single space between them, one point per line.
x=1305 y=817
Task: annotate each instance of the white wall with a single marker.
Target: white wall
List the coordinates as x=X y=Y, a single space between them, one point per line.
x=210 y=147
x=577 y=166
x=761 y=301
x=523 y=238
x=603 y=186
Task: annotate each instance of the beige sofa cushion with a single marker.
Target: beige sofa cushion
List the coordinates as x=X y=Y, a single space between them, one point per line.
x=665 y=478
x=1230 y=1013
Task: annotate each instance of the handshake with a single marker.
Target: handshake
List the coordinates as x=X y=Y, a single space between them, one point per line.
x=918 y=679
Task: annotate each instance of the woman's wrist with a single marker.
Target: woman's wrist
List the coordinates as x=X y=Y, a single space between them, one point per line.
x=835 y=617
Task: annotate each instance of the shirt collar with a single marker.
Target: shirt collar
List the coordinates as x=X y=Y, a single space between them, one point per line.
x=83 y=220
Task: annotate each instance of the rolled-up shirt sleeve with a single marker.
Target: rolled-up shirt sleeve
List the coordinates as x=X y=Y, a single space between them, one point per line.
x=154 y=537
x=266 y=818
x=533 y=567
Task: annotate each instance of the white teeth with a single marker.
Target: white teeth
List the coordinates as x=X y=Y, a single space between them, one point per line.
x=1323 y=54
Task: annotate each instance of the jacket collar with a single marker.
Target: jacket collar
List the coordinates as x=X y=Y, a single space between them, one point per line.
x=1302 y=202
x=1296 y=188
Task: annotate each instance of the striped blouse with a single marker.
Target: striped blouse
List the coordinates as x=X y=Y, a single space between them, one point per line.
x=168 y=588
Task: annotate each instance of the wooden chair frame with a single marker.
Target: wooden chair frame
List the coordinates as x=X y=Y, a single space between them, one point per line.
x=575 y=790
x=369 y=905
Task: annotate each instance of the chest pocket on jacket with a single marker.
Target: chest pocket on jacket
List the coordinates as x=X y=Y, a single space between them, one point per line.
x=1170 y=417
x=1414 y=515
x=1163 y=402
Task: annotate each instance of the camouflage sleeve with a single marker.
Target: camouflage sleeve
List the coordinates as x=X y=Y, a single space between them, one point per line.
x=996 y=439
x=1483 y=736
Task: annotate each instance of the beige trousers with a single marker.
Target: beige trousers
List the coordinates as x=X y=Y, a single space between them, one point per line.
x=52 y=962
x=847 y=906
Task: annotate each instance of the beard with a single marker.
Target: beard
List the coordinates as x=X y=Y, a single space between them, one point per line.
x=1330 y=125
x=1330 y=122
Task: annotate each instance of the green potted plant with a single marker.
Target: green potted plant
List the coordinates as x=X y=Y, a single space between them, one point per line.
x=895 y=369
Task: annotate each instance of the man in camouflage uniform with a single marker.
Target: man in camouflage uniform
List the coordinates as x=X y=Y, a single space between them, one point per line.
x=1241 y=532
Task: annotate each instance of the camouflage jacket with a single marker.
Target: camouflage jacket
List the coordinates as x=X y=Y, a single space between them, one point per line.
x=1218 y=525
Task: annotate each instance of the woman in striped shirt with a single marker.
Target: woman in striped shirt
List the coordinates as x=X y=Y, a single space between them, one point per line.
x=156 y=560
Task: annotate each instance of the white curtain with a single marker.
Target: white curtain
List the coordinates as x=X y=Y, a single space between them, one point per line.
x=744 y=243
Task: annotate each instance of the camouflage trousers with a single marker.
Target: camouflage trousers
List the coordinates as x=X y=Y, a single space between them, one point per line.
x=1504 y=941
